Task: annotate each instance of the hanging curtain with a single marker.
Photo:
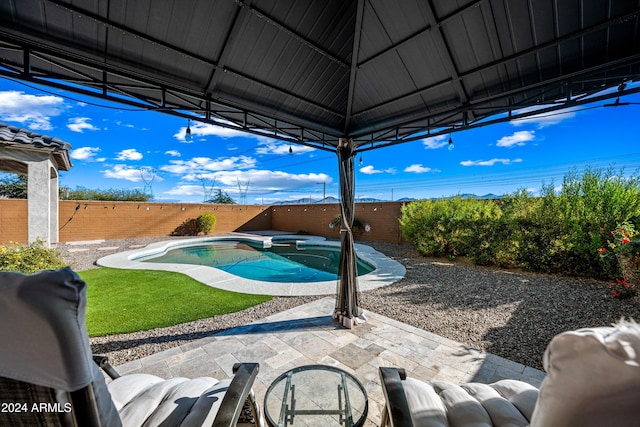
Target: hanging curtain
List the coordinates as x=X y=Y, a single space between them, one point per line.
x=347 y=309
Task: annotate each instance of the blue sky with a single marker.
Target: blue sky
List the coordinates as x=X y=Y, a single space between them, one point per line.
x=114 y=146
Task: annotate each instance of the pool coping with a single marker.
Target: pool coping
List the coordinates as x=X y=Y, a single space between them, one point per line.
x=387 y=270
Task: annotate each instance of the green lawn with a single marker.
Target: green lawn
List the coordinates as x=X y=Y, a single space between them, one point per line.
x=121 y=301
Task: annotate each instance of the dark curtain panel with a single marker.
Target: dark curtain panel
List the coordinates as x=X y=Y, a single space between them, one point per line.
x=347 y=295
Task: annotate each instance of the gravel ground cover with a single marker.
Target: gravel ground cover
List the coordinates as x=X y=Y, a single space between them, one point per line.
x=509 y=313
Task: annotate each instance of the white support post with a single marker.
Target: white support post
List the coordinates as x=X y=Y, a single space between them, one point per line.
x=40 y=203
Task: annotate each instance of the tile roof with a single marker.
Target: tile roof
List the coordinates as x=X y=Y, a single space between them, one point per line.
x=12 y=135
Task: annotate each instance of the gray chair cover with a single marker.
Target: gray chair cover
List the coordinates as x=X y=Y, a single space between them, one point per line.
x=45 y=358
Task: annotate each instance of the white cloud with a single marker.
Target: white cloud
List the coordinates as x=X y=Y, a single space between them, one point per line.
x=84 y=153
x=273 y=147
x=80 y=124
x=129 y=173
x=418 y=168
x=206 y=129
x=129 y=154
x=186 y=190
x=435 y=142
x=261 y=180
x=271 y=180
x=491 y=162
x=199 y=165
x=32 y=111
x=544 y=119
x=173 y=153
x=127 y=125
x=369 y=170
x=519 y=138
x=123 y=172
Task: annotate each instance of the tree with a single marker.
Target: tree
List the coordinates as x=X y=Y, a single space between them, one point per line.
x=13 y=186
x=221 y=198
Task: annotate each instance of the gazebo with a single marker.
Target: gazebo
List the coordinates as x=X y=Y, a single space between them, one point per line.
x=40 y=157
x=343 y=76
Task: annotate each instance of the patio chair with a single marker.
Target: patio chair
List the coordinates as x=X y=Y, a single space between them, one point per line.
x=48 y=376
x=593 y=380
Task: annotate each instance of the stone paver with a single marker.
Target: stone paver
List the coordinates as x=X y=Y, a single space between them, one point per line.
x=307 y=335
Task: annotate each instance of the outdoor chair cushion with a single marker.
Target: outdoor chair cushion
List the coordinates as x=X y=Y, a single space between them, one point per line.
x=443 y=404
x=593 y=380
x=143 y=399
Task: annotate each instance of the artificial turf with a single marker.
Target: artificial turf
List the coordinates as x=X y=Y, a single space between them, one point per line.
x=123 y=301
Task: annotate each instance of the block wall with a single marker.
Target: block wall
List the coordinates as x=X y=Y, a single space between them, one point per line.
x=314 y=219
x=92 y=220
x=13 y=221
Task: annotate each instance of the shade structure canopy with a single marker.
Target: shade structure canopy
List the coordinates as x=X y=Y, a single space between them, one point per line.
x=315 y=72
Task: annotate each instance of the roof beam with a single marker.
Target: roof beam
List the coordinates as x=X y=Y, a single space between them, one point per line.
x=502 y=61
x=448 y=58
x=212 y=83
x=573 y=77
x=282 y=130
x=143 y=36
x=281 y=90
x=573 y=103
x=280 y=26
x=354 y=66
x=421 y=31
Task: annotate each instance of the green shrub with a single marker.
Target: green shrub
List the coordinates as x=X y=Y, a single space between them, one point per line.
x=558 y=232
x=29 y=258
x=452 y=227
x=117 y=194
x=206 y=222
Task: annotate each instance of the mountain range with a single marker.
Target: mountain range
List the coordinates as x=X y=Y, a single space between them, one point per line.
x=331 y=199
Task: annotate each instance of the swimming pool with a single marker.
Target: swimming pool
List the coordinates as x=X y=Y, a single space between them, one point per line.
x=278 y=262
x=386 y=270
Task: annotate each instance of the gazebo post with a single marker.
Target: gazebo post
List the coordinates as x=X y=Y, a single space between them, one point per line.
x=346 y=309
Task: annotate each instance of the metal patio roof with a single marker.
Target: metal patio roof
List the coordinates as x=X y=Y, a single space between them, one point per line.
x=311 y=71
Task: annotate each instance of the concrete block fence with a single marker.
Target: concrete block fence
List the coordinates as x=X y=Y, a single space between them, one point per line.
x=95 y=220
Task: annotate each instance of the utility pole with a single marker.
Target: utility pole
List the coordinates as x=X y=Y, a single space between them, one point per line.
x=243 y=191
x=148 y=175
x=207 y=188
x=324 y=190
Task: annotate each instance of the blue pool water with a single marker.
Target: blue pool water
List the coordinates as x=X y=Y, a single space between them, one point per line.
x=282 y=262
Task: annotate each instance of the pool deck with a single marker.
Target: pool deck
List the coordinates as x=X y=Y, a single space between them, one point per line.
x=307 y=335
x=387 y=270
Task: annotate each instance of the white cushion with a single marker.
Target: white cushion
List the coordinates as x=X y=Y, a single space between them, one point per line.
x=143 y=399
x=593 y=379
x=506 y=403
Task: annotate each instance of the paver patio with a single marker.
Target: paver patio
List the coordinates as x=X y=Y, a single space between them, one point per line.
x=307 y=335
